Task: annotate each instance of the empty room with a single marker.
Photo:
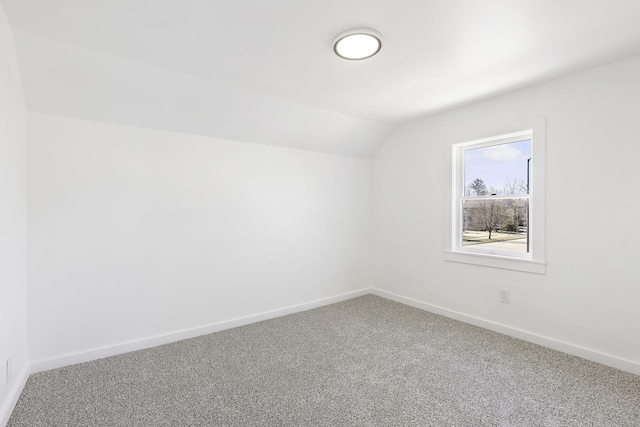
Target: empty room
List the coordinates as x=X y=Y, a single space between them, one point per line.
x=292 y=213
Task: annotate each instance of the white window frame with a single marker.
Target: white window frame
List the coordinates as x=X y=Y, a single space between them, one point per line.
x=534 y=260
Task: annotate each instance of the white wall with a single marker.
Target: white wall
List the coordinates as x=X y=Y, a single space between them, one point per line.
x=589 y=298
x=136 y=233
x=13 y=222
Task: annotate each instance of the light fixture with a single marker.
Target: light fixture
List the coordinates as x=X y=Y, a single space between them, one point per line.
x=357 y=43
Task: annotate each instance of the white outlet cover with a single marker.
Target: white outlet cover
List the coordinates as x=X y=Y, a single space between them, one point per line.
x=504 y=296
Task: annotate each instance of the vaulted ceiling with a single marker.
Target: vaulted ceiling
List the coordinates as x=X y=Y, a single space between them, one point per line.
x=264 y=71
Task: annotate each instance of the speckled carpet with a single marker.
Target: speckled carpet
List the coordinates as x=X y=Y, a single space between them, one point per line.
x=363 y=362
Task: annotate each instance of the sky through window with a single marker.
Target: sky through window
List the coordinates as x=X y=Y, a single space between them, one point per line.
x=501 y=167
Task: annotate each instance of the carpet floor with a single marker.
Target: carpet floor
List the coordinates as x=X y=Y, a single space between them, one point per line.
x=363 y=362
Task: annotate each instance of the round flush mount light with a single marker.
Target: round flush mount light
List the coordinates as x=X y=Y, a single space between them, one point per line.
x=357 y=43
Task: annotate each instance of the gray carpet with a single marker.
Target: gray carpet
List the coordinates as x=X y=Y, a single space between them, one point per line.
x=364 y=362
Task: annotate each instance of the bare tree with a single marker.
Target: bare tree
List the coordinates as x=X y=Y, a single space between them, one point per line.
x=491 y=214
x=515 y=187
x=486 y=215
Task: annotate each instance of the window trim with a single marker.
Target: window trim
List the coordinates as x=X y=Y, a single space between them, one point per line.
x=534 y=262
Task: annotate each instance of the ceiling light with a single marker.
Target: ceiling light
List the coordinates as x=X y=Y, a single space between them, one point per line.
x=357 y=43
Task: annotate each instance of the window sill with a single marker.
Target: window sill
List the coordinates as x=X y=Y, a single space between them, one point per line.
x=526 y=265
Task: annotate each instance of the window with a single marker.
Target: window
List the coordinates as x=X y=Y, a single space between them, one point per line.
x=494 y=196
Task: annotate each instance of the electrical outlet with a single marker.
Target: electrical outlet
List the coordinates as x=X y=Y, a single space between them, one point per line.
x=505 y=296
x=8 y=376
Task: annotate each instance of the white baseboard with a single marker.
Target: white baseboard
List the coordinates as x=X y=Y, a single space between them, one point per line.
x=565 y=347
x=99 y=353
x=14 y=395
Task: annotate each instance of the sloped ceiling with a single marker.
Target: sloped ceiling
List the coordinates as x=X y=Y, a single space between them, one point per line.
x=264 y=71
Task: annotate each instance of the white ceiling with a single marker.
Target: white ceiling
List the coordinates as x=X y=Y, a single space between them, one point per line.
x=264 y=71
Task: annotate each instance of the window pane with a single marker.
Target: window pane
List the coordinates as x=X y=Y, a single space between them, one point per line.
x=499 y=169
x=500 y=225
